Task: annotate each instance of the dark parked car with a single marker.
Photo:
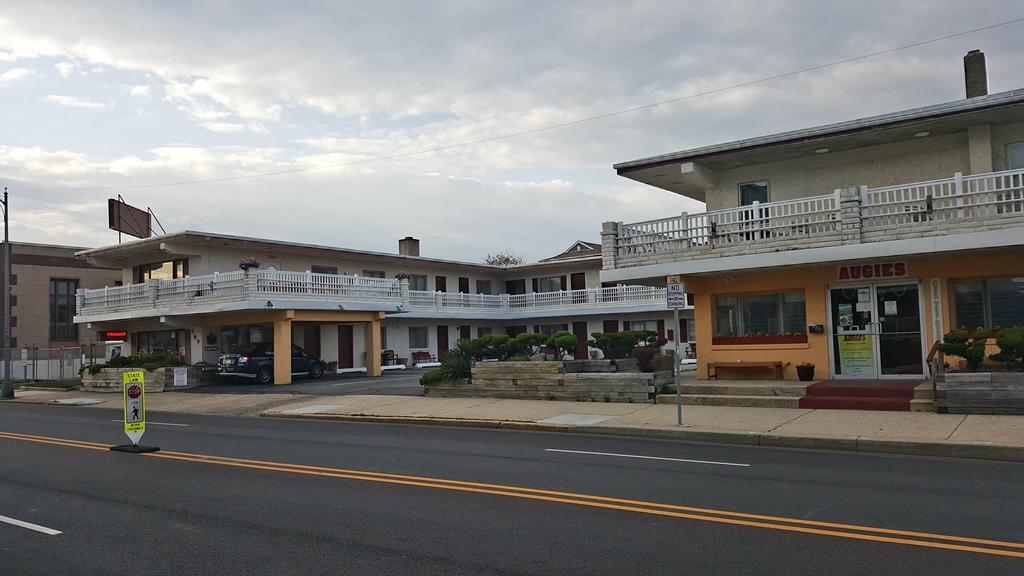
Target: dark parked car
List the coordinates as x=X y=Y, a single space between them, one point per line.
x=258 y=363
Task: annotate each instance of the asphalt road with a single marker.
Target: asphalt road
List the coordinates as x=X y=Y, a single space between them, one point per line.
x=184 y=514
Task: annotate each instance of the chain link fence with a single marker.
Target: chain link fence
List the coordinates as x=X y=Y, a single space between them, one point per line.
x=29 y=364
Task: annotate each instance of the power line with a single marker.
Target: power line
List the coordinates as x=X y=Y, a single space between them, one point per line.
x=542 y=128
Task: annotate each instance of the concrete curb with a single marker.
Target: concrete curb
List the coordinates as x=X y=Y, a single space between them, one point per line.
x=973 y=450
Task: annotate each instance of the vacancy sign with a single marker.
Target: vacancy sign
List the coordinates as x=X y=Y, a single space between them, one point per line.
x=134 y=405
x=676 y=291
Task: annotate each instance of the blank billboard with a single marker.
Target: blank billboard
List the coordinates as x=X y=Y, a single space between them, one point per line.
x=128 y=219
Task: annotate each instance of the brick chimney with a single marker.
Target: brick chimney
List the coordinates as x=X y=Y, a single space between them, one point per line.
x=409 y=246
x=975 y=74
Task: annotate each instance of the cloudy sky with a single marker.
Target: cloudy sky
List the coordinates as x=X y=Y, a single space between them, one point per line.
x=122 y=94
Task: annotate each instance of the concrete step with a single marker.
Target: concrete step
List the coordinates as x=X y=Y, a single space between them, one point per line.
x=732 y=400
x=924 y=392
x=922 y=405
x=752 y=389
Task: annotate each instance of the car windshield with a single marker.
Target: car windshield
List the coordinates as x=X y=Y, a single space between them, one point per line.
x=262 y=349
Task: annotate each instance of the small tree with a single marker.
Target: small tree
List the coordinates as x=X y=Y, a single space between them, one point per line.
x=970 y=347
x=563 y=342
x=530 y=343
x=504 y=259
x=1011 y=346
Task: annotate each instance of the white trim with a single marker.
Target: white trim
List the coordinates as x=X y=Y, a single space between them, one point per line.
x=349 y=370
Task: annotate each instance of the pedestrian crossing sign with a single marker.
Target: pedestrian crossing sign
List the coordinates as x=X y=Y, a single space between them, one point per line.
x=134 y=405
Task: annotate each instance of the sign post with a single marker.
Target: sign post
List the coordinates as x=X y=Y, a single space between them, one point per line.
x=676 y=297
x=134 y=413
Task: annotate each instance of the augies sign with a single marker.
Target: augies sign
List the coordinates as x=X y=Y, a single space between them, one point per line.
x=872 y=271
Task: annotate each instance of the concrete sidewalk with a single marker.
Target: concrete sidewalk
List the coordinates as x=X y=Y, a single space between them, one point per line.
x=920 y=433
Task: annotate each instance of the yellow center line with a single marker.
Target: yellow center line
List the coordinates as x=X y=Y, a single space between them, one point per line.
x=636 y=506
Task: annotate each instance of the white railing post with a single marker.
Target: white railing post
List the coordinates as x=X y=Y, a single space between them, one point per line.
x=403 y=287
x=684 y=230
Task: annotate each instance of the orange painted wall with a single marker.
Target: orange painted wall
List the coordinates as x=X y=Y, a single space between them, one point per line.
x=815 y=282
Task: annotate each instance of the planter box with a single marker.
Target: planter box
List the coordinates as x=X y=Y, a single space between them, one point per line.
x=739 y=340
x=159 y=380
x=548 y=381
x=980 y=393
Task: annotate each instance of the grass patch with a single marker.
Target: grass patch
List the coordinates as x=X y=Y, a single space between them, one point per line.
x=70 y=383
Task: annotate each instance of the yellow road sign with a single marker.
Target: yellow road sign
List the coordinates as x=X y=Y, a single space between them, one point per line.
x=134 y=405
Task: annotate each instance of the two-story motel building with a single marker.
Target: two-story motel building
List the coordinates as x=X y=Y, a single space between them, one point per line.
x=359 y=309
x=851 y=246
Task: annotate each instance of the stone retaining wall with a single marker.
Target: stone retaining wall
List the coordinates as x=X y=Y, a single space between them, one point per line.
x=549 y=381
x=980 y=393
x=159 y=380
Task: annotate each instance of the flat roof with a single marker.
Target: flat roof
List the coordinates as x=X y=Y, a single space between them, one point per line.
x=969 y=106
x=132 y=247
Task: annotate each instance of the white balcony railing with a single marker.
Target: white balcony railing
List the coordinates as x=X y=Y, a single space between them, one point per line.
x=179 y=295
x=238 y=286
x=850 y=216
x=497 y=304
x=748 y=225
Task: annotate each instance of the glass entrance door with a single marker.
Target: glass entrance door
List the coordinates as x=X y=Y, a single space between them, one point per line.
x=876 y=331
x=899 y=330
x=852 y=330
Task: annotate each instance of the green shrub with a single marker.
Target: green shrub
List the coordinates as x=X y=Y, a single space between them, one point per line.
x=563 y=342
x=645 y=357
x=618 y=345
x=1011 y=346
x=529 y=343
x=144 y=360
x=431 y=377
x=458 y=362
x=970 y=347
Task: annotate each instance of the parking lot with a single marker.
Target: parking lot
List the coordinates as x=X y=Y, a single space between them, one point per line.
x=392 y=382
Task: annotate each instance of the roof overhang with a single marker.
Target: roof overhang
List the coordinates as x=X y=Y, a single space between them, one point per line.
x=691 y=172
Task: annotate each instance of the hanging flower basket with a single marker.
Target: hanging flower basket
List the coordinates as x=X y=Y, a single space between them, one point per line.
x=250 y=263
x=402 y=275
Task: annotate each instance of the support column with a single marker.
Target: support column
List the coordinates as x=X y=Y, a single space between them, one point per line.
x=371 y=342
x=283 y=350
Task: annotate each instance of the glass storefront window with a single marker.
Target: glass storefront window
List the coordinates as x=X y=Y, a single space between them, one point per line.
x=989 y=303
x=753 y=315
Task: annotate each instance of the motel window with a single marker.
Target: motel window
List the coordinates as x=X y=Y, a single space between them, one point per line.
x=514 y=331
x=168 y=270
x=383 y=338
x=753 y=192
x=482 y=331
x=1015 y=156
x=515 y=286
x=418 y=282
x=550 y=329
x=418 y=338
x=643 y=325
x=324 y=269
x=754 y=315
x=373 y=273
x=484 y=287
x=62 y=310
x=549 y=284
x=989 y=303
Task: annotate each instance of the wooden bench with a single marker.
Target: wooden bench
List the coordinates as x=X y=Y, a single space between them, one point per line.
x=776 y=367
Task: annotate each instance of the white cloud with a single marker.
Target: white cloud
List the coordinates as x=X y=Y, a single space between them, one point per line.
x=15 y=74
x=140 y=91
x=65 y=68
x=73 y=102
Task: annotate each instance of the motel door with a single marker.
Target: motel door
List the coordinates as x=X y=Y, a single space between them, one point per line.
x=876 y=331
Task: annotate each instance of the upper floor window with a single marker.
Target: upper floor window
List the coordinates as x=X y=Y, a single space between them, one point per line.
x=484 y=287
x=324 y=269
x=1015 y=156
x=548 y=284
x=753 y=192
x=373 y=273
x=162 y=270
x=62 y=310
x=418 y=282
x=515 y=286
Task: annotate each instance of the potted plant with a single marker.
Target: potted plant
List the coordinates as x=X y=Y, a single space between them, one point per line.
x=805 y=371
x=249 y=263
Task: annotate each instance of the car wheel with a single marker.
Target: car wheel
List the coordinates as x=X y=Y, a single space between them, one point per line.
x=317 y=370
x=264 y=376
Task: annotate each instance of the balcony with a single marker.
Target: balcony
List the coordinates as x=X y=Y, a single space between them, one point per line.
x=236 y=291
x=859 y=215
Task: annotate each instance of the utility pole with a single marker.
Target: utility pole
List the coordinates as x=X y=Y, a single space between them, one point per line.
x=6 y=387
